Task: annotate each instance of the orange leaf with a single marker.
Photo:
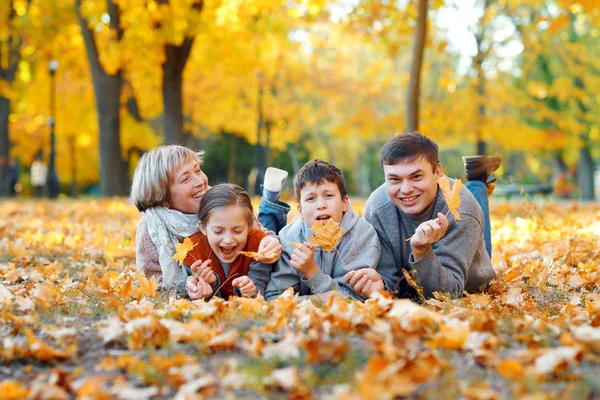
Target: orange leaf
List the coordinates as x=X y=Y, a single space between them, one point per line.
x=182 y=249
x=451 y=195
x=251 y=254
x=326 y=235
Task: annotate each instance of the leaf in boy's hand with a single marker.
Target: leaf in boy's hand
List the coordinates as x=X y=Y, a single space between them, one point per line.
x=451 y=195
x=182 y=249
x=295 y=245
x=326 y=235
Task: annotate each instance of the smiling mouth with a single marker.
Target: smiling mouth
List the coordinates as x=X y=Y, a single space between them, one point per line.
x=409 y=198
x=198 y=195
x=227 y=250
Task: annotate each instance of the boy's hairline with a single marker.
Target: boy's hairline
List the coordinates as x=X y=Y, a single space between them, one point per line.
x=321 y=181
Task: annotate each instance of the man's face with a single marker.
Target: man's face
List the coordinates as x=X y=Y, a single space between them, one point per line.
x=322 y=202
x=412 y=187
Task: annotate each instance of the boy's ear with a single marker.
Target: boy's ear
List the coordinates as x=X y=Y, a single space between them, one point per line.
x=345 y=202
x=299 y=206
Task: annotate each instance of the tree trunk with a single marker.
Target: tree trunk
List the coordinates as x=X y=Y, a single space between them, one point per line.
x=293 y=153
x=4 y=147
x=233 y=142
x=414 y=85
x=259 y=150
x=364 y=186
x=586 y=173
x=107 y=91
x=172 y=85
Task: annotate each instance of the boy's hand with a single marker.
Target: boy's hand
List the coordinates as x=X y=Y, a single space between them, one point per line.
x=271 y=248
x=245 y=285
x=197 y=288
x=202 y=270
x=303 y=260
x=428 y=233
x=364 y=281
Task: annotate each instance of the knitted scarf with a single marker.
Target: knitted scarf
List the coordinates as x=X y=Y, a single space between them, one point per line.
x=166 y=228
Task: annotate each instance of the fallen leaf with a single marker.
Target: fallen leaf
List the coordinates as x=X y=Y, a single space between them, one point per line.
x=182 y=249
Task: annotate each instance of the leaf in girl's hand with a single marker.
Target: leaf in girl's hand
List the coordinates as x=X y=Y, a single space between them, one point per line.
x=268 y=257
x=451 y=195
x=326 y=235
x=182 y=249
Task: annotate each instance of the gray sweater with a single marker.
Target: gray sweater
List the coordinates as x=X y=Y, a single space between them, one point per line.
x=457 y=262
x=358 y=248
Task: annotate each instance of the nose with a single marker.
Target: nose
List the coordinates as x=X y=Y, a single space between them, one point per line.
x=406 y=187
x=320 y=203
x=227 y=238
x=198 y=180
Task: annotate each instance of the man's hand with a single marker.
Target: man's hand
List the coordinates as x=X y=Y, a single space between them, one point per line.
x=271 y=248
x=197 y=288
x=202 y=270
x=364 y=281
x=303 y=260
x=246 y=286
x=428 y=233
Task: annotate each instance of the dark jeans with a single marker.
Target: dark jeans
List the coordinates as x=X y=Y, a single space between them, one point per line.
x=479 y=190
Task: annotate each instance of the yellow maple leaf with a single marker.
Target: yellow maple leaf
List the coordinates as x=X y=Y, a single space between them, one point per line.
x=182 y=249
x=451 y=195
x=326 y=235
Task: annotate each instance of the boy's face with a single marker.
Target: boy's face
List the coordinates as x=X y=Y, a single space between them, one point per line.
x=412 y=187
x=321 y=202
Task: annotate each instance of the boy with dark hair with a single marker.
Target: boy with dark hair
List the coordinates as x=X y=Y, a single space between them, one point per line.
x=321 y=195
x=409 y=214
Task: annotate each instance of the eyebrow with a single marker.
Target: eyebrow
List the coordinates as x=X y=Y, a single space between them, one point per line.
x=392 y=175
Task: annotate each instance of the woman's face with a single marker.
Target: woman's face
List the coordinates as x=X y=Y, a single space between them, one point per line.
x=188 y=187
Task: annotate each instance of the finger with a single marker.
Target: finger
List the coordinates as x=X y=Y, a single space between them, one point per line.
x=443 y=220
x=367 y=290
x=357 y=276
x=206 y=273
x=361 y=284
x=196 y=265
x=348 y=276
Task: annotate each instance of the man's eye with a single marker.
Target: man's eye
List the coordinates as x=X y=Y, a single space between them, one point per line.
x=417 y=177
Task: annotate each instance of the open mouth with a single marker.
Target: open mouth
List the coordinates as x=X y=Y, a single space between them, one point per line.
x=227 y=250
x=323 y=218
x=199 y=194
x=409 y=199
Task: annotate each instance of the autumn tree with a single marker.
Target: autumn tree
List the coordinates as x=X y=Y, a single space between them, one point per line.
x=13 y=18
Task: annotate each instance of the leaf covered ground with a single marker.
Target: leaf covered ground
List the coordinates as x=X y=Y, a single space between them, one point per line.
x=77 y=321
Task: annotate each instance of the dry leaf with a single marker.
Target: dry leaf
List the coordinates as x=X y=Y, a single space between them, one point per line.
x=451 y=196
x=182 y=249
x=326 y=235
x=270 y=257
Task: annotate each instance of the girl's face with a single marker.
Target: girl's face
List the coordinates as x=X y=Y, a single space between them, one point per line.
x=188 y=187
x=227 y=231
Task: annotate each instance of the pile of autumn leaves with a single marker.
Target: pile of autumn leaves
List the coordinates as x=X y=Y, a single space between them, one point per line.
x=77 y=320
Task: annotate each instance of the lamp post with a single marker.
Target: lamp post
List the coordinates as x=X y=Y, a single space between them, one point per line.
x=53 y=184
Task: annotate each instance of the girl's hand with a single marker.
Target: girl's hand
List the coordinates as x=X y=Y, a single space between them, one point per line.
x=203 y=271
x=197 y=288
x=303 y=260
x=271 y=248
x=245 y=285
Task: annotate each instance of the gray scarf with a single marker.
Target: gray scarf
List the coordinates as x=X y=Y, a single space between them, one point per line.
x=167 y=228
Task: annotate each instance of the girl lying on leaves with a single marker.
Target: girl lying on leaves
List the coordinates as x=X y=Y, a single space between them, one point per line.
x=168 y=185
x=226 y=233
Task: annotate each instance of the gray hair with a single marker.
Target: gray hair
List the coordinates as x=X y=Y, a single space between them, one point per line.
x=154 y=174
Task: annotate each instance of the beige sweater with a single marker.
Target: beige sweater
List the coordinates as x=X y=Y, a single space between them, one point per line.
x=146 y=253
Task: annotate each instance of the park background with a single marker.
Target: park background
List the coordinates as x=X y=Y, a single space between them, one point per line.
x=255 y=83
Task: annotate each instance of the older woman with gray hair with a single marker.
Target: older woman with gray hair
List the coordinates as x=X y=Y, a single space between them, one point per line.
x=167 y=187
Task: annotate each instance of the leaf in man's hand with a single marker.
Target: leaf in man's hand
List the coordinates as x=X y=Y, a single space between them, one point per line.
x=451 y=195
x=326 y=235
x=182 y=249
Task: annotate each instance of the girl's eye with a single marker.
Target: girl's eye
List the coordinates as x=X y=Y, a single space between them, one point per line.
x=238 y=231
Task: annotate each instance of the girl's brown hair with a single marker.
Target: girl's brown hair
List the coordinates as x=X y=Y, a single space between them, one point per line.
x=225 y=195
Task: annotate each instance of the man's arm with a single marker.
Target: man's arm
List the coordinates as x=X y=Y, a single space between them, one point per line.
x=387 y=265
x=284 y=275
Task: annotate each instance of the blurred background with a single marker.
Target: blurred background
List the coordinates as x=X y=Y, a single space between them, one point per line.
x=87 y=86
